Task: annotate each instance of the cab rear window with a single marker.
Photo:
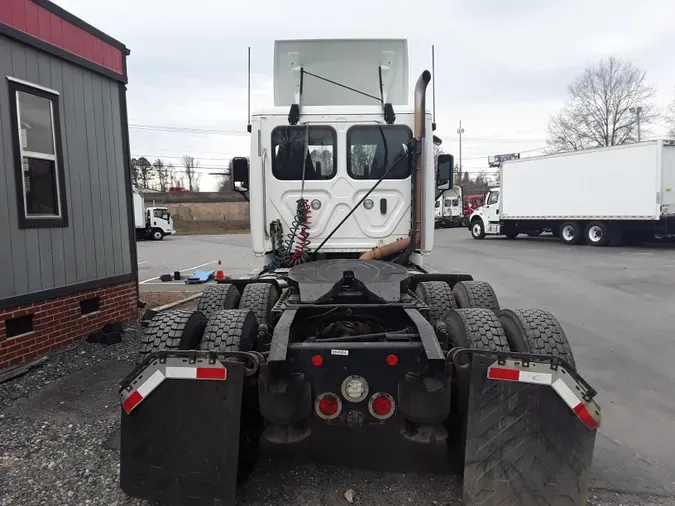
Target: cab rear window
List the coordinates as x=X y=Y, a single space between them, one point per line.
x=312 y=148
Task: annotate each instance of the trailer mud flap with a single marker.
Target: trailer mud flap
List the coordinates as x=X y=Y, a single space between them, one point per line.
x=525 y=445
x=180 y=438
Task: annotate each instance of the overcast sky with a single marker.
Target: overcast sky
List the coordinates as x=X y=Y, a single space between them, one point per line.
x=502 y=67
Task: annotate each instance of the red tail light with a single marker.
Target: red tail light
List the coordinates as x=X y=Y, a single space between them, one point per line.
x=382 y=405
x=328 y=406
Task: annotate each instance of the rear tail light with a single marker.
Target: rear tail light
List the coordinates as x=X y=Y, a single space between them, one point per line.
x=381 y=405
x=354 y=388
x=328 y=406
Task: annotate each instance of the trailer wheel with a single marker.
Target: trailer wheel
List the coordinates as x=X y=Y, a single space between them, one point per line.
x=536 y=331
x=217 y=297
x=236 y=330
x=597 y=233
x=172 y=330
x=260 y=298
x=477 y=229
x=438 y=296
x=476 y=294
x=570 y=233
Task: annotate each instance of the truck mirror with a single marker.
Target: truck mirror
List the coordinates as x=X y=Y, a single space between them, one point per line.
x=240 y=173
x=446 y=164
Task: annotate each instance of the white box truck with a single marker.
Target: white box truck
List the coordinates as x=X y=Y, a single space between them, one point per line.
x=151 y=222
x=620 y=194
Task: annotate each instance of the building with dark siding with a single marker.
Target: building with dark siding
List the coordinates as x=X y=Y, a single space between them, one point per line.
x=67 y=249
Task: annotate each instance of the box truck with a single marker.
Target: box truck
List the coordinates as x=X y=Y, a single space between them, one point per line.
x=151 y=222
x=604 y=196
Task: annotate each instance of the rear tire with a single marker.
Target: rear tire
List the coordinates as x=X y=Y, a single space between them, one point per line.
x=260 y=298
x=476 y=294
x=570 y=233
x=172 y=330
x=236 y=330
x=217 y=297
x=477 y=229
x=477 y=329
x=438 y=296
x=537 y=332
x=597 y=233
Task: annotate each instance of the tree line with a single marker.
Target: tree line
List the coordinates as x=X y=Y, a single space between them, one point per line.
x=162 y=176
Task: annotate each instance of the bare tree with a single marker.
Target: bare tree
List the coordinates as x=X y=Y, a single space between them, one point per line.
x=135 y=177
x=193 y=177
x=670 y=117
x=597 y=112
x=145 y=171
x=162 y=172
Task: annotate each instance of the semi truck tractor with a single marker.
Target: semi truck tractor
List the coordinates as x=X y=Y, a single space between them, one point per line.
x=606 y=196
x=345 y=345
x=151 y=222
x=448 y=210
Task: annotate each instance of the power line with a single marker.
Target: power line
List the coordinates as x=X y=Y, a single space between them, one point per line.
x=172 y=129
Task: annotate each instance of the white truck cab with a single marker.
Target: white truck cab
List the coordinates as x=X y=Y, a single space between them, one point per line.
x=322 y=148
x=485 y=220
x=151 y=222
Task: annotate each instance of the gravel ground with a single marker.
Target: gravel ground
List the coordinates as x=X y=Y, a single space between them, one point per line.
x=56 y=420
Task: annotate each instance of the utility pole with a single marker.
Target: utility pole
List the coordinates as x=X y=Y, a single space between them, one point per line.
x=460 y=131
x=637 y=111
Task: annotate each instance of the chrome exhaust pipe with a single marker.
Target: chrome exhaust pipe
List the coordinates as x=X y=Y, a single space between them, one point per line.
x=419 y=132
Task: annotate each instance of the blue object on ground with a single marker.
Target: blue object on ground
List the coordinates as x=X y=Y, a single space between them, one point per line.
x=200 y=277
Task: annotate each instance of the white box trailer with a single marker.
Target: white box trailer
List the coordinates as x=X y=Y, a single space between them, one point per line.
x=598 y=196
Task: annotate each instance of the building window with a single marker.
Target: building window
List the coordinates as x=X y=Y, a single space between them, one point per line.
x=38 y=159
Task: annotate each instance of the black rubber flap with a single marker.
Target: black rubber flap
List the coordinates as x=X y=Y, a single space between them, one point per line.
x=524 y=445
x=180 y=445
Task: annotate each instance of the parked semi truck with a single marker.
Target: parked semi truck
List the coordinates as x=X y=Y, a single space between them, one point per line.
x=448 y=210
x=151 y=222
x=604 y=196
x=345 y=346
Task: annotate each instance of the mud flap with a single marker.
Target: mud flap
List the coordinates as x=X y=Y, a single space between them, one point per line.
x=180 y=442
x=524 y=445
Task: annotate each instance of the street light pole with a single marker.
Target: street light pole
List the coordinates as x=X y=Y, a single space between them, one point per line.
x=637 y=111
x=460 y=131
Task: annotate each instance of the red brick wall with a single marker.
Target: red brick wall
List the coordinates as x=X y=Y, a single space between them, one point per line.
x=59 y=321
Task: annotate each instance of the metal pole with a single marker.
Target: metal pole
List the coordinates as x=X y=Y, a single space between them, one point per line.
x=460 y=131
x=639 y=110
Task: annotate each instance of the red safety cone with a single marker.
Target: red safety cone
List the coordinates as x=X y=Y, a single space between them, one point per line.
x=220 y=275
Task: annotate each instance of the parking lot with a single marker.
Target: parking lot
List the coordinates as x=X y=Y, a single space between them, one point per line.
x=616 y=305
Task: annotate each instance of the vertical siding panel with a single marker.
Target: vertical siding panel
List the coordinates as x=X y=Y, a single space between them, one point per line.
x=74 y=256
x=108 y=269
x=120 y=179
x=8 y=216
x=64 y=259
x=81 y=172
x=93 y=170
x=111 y=172
x=51 y=238
x=25 y=66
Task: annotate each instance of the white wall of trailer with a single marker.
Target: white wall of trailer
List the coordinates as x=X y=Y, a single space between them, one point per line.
x=621 y=182
x=668 y=179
